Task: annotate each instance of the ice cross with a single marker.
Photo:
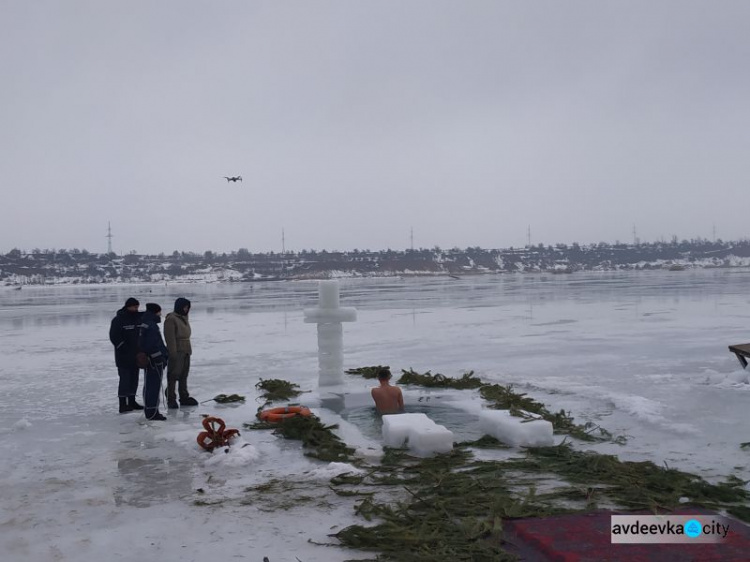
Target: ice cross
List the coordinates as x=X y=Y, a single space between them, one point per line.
x=329 y=316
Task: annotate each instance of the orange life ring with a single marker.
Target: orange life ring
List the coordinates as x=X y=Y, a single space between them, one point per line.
x=278 y=414
x=216 y=434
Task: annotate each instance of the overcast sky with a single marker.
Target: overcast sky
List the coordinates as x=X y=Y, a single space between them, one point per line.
x=352 y=122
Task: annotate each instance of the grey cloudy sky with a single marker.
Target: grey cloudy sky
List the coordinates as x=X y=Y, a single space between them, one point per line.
x=353 y=121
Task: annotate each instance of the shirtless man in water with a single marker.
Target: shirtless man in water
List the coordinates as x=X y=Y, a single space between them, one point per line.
x=388 y=399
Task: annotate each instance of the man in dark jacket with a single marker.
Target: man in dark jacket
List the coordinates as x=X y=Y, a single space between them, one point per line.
x=123 y=333
x=151 y=343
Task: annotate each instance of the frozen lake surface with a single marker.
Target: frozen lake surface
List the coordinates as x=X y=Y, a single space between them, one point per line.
x=642 y=354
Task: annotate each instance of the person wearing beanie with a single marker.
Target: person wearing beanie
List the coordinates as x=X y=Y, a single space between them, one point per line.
x=151 y=343
x=177 y=335
x=123 y=333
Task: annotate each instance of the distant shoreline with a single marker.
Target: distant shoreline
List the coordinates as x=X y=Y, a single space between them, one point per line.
x=53 y=267
x=76 y=282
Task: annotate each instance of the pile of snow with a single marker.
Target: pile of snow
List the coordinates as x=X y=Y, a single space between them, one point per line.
x=239 y=453
x=21 y=424
x=332 y=470
x=735 y=378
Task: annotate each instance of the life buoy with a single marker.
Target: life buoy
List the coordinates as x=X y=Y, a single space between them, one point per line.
x=278 y=414
x=216 y=434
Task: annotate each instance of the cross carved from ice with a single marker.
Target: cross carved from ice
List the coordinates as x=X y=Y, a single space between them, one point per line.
x=329 y=316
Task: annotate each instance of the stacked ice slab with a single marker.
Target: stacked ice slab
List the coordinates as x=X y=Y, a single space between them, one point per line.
x=515 y=431
x=422 y=435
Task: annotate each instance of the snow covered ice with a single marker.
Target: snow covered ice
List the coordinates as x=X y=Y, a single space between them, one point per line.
x=641 y=354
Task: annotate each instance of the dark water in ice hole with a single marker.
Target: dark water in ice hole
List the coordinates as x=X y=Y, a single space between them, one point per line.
x=464 y=425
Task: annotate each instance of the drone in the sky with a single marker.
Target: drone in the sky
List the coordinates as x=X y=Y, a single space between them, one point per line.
x=233 y=178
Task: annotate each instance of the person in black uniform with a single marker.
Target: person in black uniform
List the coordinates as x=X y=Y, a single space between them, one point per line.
x=123 y=333
x=152 y=344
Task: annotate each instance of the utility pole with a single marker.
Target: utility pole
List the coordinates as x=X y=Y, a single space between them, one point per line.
x=411 y=236
x=283 y=241
x=635 y=237
x=714 y=231
x=528 y=236
x=109 y=238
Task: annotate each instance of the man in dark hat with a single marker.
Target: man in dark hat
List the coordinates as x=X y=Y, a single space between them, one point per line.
x=123 y=333
x=152 y=344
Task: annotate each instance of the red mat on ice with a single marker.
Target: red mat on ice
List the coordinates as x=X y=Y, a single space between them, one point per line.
x=585 y=537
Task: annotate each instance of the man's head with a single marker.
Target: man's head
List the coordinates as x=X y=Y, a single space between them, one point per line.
x=384 y=374
x=153 y=307
x=131 y=305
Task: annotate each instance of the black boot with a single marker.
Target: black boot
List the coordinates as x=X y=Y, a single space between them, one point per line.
x=189 y=401
x=133 y=404
x=124 y=406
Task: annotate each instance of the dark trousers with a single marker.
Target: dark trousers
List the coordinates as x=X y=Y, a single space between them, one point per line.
x=151 y=389
x=128 y=381
x=177 y=374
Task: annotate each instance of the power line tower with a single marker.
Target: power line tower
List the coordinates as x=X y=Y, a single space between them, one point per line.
x=635 y=237
x=109 y=238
